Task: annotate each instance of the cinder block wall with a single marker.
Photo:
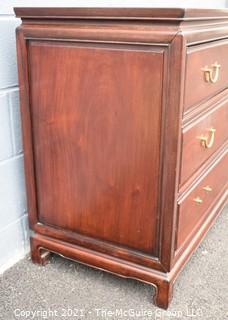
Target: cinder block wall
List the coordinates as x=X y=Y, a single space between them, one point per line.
x=13 y=213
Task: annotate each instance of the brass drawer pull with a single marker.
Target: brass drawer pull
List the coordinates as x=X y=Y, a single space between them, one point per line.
x=207 y=142
x=207 y=188
x=198 y=200
x=212 y=74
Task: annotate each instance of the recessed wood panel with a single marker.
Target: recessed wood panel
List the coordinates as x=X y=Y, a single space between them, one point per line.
x=96 y=122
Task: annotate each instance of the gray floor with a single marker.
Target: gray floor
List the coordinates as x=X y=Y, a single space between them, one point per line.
x=60 y=289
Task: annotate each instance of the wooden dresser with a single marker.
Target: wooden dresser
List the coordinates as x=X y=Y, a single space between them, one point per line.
x=125 y=117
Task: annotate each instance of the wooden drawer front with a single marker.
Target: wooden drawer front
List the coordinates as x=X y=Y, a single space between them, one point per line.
x=200 y=83
x=195 y=149
x=195 y=205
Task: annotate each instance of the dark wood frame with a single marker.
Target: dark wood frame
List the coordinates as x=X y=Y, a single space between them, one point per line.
x=170 y=26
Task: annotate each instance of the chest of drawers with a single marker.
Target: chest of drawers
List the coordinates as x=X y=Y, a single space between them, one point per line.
x=124 y=115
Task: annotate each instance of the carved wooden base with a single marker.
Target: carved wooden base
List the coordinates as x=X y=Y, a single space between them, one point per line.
x=41 y=246
x=38 y=254
x=164 y=294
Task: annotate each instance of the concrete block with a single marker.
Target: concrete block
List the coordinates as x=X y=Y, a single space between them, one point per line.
x=6 y=145
x=14 y=244
x=12 y=191
x=16 y=121
x=8 y=65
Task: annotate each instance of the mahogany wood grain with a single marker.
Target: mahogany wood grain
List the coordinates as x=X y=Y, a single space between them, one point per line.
x=102 y=103
x=171 y=147
x=204 y=31
x=26 y=125
x=198 y=57
x=193 y=153
x=106 y=32
x=157 y=25
x=42 y=245
x=122 y=13
x=184 y=252
x=96 y=140
x=191 y=212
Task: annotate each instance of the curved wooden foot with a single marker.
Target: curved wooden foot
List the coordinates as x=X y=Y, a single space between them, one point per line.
x=38 y=254
x=163 y=295
x=41 y=246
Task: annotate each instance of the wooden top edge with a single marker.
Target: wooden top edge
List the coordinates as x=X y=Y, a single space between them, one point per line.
x=179 y=14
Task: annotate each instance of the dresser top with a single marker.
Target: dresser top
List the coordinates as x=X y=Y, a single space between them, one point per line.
x=176 y=14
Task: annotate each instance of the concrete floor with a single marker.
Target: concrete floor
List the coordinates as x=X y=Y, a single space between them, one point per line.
x=60 y=289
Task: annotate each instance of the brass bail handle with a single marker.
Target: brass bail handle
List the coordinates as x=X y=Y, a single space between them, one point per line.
x=212 y=74
x=207 y=142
